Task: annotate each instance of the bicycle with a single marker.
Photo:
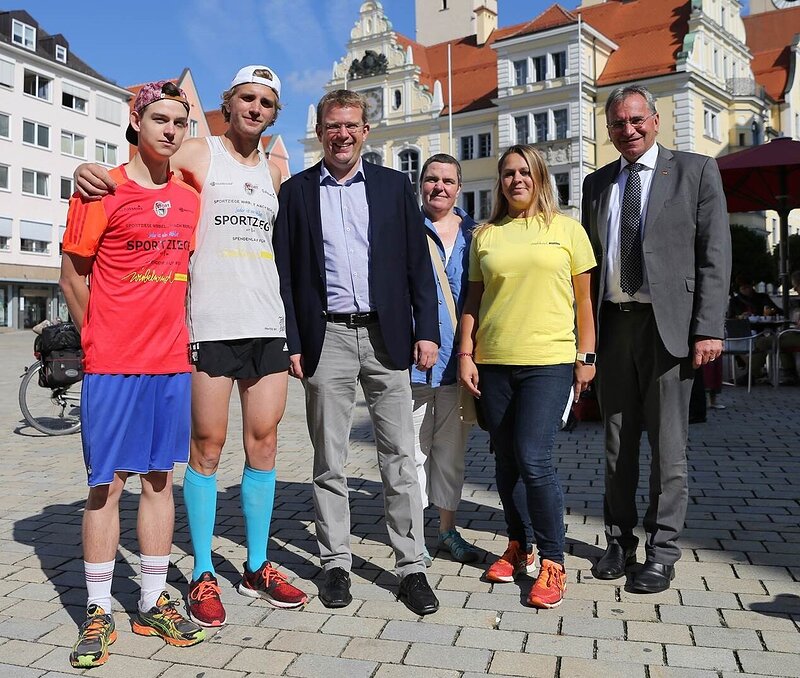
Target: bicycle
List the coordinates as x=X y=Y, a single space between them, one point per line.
x=53 y=410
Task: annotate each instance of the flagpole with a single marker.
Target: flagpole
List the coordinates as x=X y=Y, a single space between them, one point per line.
x=449 y=98
x=580 y=104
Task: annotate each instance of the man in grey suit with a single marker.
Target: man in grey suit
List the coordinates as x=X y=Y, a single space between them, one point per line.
x=658 y=224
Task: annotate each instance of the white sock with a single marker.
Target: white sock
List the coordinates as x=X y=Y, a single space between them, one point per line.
x=154 y=580
x=98 y=584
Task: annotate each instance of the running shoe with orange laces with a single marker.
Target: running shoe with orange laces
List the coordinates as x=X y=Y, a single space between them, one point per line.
x=514 y=562
x=550 y=586
x=97 y=632
x=272 y=586
x=204 y=604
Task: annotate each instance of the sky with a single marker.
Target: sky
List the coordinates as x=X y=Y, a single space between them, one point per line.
x=299 y=39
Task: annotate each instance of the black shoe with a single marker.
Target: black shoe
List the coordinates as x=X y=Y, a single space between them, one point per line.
x=652 y=578
x=417 y=595
x=697 y=419
x=335 y=591
x=614 y=562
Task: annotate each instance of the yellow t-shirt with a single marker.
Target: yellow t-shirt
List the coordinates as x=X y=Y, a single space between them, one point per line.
x=526 y=315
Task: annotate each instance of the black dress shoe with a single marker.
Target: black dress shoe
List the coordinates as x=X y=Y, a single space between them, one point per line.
x=652 y=578
x=417 y=594
x=613 y=562
x=335 y=592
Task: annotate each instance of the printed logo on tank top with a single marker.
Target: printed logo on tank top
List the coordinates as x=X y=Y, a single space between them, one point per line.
x=161 y=208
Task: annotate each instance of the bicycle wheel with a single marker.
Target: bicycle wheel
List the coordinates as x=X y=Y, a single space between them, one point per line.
x=54 y=411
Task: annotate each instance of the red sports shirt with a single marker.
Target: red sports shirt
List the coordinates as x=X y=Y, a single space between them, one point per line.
x=140 y=239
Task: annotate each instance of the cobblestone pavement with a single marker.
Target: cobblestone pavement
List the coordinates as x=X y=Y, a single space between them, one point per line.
x=734 y=609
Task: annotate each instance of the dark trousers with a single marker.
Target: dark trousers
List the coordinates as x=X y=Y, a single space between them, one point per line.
x=522 y=406
x=640 y=384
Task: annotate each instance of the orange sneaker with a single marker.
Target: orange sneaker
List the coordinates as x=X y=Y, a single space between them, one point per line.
x=514 y=562
x=550 y=586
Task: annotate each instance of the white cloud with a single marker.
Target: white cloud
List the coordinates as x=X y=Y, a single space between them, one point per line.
x=308 y=81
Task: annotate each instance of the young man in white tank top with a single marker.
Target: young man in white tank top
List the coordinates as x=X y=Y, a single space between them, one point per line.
x=237 y=333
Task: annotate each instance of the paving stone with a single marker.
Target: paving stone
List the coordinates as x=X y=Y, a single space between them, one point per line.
x=184 y=671
x=593 y=628
x=400 y=671
x=573 y=667
x=733 y=639
x=420 y=632
x=21 y=652
x=385 y=610
x=771 y=663
x=352 y=626
x=459 y=616
x=560 y=646
x=294 y=620
x=213 y=655
x=313 y=666
x=10 y=671
x=302 y=641
x=627 y=611
x=25 y=629
x=528 y=665
x=746 y=619
x=537 y=622
x=243 y=636
x=261 y=661
x=491 y=639
x=715 y=599
x=629 y=651
x=700 y=658
x=680 y=672
x=441 y=657
x=391 y=651
x=727 y=584
x=678 y=614
x=781 y=641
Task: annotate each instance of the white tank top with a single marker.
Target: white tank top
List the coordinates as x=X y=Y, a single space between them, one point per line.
x=234 y=292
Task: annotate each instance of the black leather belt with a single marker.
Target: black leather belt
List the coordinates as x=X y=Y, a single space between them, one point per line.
x=627 y=306
x=354 y=319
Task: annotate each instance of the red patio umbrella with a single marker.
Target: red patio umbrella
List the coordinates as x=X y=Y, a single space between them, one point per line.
x=766 y=177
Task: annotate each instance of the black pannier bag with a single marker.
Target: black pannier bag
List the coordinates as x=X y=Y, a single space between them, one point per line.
x=62 y=358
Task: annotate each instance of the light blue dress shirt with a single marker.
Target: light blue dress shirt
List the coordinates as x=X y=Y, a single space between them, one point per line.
x=456 y=268
x=345 y=237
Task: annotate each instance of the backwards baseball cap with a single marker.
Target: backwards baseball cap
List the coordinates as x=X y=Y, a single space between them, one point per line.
x=151 y=92
x=260 y=75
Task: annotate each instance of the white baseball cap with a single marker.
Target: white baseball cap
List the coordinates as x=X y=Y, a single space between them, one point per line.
x=261 y=75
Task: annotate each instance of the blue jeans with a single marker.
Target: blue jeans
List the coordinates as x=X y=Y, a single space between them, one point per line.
x=522 y=406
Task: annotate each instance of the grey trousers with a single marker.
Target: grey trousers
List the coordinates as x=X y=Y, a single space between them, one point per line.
x=641 y=385
x=351 y=355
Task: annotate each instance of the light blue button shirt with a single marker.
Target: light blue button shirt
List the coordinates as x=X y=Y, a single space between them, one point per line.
x=456 y=268
x=345 y=237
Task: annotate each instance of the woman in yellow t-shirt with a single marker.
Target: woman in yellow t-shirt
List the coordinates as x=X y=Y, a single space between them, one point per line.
x=528 y=298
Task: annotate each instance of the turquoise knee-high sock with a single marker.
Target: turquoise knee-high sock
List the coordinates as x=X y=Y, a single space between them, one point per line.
x=200 y=497
x=258 y=496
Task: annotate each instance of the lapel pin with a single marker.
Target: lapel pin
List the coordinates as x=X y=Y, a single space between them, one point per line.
x=665 y=172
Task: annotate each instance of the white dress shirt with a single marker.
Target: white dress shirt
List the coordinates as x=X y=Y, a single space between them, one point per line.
x=613 y=291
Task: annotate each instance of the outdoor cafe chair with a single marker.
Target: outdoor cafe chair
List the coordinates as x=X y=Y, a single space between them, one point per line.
x=739 y=341
x=776 y=353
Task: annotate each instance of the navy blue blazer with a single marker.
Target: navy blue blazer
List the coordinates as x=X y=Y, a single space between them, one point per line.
x=400 y=276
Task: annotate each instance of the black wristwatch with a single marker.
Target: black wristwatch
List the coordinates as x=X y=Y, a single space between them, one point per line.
x=587 y=358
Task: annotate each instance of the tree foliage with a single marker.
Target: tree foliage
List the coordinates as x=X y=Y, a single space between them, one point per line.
x=751 y=256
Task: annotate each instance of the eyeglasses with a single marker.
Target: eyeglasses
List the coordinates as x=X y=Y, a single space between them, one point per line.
x=349 y=127
x=637 y=123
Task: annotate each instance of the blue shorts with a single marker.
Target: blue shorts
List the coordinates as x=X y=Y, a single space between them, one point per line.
x=134 y=423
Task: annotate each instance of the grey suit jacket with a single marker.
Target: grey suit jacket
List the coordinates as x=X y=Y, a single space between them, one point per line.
x=686 y=245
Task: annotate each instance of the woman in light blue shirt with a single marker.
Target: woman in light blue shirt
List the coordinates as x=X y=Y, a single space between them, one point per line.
x=440 y=434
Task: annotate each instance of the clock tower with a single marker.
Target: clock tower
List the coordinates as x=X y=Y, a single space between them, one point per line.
x=759 y=6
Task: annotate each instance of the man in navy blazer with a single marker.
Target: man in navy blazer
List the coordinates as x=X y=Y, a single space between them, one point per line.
x=361 y=306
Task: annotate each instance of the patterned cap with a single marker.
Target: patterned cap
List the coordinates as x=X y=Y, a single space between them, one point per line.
x=149 y=93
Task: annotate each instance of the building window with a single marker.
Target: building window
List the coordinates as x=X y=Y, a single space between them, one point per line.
x=193 y=128
x=539 y=68
x=4 y=177
x=373 y=157
x=38 y=246
x=24 y=35
x=75 y=98
x=467 y=148
x=5 y=126
x=560 y=121
x=398 y=99
x=484 y=145
x=5 y=243
x=484 y=204
x=540 y=127
x=409 y=165
x=559 y=64
x=521 y=129
x=105 y=153
x=562 y=188
x=61 y=54
x=35 y=134
x=468 y=202
x=521 y=72
x=37 y=85
x=7 y=73
x=67 y=187
x=73 y=144
x=36 y=183
x=711 y=123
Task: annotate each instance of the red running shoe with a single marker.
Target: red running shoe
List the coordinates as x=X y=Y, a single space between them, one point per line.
x=204 y=605
x=550 y=586
x=514 y=562
x=271 y=585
